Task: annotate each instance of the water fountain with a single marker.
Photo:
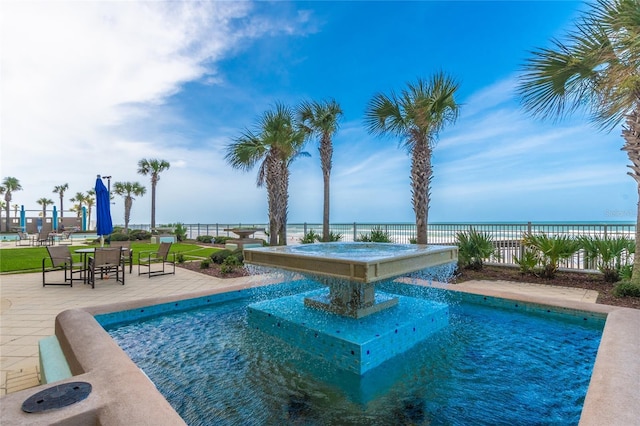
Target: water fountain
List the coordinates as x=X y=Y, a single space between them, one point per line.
x=348 y=323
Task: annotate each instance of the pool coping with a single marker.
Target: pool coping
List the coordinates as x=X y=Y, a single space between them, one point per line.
x=118 y=383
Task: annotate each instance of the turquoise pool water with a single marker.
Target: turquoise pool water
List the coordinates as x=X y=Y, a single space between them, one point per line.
x=489 y=366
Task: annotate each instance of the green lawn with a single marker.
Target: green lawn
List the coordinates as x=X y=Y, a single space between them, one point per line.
x=29 y=259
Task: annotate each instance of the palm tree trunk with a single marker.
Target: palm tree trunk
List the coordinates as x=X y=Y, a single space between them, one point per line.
x=7 y=200
x=153 y=204
x=272 y=174
x=420 y=178
x=283 y=203
x=631 y=135
x=326 y=153
x=128 y=202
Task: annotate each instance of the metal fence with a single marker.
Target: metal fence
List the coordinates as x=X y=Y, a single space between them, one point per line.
x=507 y=237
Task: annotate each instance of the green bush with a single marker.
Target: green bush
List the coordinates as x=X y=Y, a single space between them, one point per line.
x=119 y=236
x=205 y=264
x=180 y=258
x=311 y=237
x=221 y=239
x=551 y=250
x=473 y=248
x=626 y=289
x=609 y=255
x=334 y=236
x=219 y=256
x=139 y=234
x=207 y=239
x=180 y=231
x=377 y=236
x=528 y=262
x=239 y=255
x=230 y=264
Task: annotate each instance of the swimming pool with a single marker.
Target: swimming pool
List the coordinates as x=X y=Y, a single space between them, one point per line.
x=492 y=365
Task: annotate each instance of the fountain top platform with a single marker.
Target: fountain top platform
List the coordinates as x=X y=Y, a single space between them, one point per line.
x=359 y=262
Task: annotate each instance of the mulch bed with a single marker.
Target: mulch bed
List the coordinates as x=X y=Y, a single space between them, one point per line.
x=563 y=279
x=213 y=270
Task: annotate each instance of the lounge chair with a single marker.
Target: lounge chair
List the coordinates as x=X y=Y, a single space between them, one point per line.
x=106 y=261
x=60 y=258
x=127 y=252
x=161 y=257
x=23 y=238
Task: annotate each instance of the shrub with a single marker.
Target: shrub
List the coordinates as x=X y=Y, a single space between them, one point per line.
x=610 y=255
x=551 y=250
x=119 y=236
x=310 y=237
x=221 y=239
x=239 y=255
x=377 y=236
x=528 y=261
x=205 y=264
x=204 y=239
x=334 y=236
x=180 y=231
x=473 y=248
x=139 y=234
x=626 y=289
x=219 y=256
x=180 y=258
x=230 y=264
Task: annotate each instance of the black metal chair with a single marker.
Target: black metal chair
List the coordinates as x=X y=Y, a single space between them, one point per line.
x=60 y=258
x=106 y=261
x=161 y=257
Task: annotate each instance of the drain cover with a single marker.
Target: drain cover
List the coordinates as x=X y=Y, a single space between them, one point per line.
x=57 y=397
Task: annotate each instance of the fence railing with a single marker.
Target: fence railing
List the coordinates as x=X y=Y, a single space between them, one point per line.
x=507 y=237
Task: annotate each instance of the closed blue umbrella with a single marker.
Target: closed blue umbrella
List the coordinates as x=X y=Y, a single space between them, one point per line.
x=104 y=226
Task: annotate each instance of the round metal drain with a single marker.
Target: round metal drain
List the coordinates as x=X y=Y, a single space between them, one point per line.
x=57 y=397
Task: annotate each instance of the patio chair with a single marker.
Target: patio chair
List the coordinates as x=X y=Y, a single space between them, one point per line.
x=60 y=258
x=127 y=252
x=161 y=257
x=23 y=238
x=44 y=239
x=106 y=261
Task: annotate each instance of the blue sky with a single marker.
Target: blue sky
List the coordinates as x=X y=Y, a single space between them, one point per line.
x=92 y=87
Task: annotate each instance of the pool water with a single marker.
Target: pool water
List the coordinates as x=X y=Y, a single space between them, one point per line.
x=489 y=366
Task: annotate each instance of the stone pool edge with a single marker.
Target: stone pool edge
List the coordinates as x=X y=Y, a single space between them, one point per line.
x=118 y=383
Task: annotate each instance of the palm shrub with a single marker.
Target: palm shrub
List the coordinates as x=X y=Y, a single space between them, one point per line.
x=334 y=236
x=528 y=261
x=310 y=237
x=473 y=248
x=377 y=235
x=230 y=264
x=609 y=255
x=551 y=250
x=207 y=239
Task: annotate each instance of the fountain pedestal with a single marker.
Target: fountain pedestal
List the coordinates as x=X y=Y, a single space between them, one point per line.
x=349 y=324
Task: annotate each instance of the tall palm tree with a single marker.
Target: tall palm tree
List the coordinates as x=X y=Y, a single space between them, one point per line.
x=153 y=167
x=44 y=202
x=276 y=142
x=8 y=187
x=598 y=68
x=321 y=119
x=60 y=190
x=416 y=116
x=127 y=190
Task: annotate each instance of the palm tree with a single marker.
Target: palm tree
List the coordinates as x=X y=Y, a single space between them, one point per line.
x=276 y=142
x=80 y=199
x=321 y=119
x=127 y=189
x=44 y=202
x=9 y=185
x=417 y=115
x=60 y=189
x=153 y=167
x=597 y=67
x=90 y=200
